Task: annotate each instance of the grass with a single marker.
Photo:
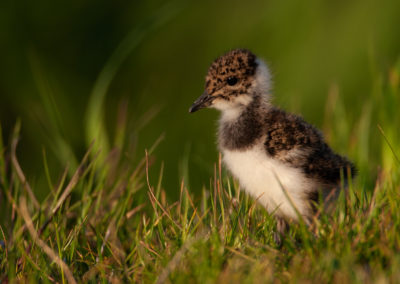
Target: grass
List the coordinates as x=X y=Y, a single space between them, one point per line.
x=109 y=221
x=117 y=225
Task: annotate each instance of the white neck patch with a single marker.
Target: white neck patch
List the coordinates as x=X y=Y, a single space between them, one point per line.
x=232 y=109
x=262 y=83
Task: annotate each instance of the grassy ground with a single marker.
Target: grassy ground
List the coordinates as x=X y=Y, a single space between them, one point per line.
x=107 y=220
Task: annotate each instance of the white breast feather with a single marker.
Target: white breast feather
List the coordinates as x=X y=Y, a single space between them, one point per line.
x=258 y=174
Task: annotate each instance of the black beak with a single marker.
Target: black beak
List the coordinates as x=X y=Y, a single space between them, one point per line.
x=203 y=101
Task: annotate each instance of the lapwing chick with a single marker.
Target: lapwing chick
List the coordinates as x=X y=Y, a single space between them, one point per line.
x=277 y=157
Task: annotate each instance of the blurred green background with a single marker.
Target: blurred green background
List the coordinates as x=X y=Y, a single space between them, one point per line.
x=52 y=54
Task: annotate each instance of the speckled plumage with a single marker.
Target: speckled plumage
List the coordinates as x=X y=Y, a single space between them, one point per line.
x=265 y=147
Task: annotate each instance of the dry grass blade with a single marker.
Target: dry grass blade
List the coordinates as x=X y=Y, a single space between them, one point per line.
x=18 y=169
x=74 y=180
x=150 y=249
x=241 y=254
x=111 y=240
x=50 y=253
x=154 y=197
x=132 y=212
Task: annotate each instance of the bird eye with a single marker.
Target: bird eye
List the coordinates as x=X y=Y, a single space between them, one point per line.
x=231 y=81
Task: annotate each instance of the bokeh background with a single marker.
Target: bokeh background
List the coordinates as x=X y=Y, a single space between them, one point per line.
x=57 y=59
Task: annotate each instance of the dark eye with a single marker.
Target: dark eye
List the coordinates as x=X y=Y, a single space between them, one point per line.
x=231 y=81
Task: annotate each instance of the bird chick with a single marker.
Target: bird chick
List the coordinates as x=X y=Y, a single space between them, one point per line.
x=278 y=158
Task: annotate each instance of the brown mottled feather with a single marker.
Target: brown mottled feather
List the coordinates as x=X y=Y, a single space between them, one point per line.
x=287 y=132
x=239 y=63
